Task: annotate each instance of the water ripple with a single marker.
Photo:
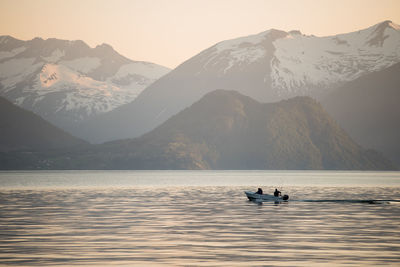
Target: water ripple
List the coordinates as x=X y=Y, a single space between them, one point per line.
x=206 y=226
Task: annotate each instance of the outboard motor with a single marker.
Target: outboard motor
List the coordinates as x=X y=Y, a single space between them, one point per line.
x=285 y=197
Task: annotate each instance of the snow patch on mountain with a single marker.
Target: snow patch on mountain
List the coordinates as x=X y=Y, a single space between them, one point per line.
x=302 y=61
x=295 y=64
x=243 y=50
x=62 y=77
x=58 y=77
x=83 y=92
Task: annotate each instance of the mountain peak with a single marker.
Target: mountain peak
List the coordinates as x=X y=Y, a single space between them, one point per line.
x=385 y=24
x=67 y=81
x=227 y=130
x=79 y=44
x=107 y=51
x=295 y=32
x=379 y=33
x=6 y=38
x=105 y=47
x=274 y=34
x=222 y=93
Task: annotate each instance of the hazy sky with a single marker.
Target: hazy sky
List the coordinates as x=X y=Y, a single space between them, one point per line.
x=168 y=32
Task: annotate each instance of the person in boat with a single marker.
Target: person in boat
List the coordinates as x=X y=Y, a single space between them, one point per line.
x=277 y=193
x=259 y=191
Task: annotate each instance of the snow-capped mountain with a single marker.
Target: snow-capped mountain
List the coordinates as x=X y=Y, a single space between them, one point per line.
x=295 y=63
x=268 y=66
x=67 y=81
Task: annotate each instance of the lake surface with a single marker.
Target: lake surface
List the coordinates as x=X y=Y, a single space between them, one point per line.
x=181 y=218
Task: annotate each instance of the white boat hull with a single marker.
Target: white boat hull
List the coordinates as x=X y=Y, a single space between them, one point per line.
x=264 y=197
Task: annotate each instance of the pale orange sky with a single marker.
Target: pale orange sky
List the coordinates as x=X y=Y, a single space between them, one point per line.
x=168 y=32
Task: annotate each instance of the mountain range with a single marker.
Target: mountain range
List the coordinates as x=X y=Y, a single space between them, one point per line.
x=66 y=82
x=251 y=84
x=226 y=130
x=269 y=66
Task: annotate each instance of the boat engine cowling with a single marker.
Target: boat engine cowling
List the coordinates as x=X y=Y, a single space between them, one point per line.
x=285 y=197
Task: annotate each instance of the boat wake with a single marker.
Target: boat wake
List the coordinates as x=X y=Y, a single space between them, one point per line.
x=350 y=201
x=259 y=198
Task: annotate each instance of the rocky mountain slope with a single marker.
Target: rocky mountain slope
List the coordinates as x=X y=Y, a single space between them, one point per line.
x=66 y=82
x=269 y=66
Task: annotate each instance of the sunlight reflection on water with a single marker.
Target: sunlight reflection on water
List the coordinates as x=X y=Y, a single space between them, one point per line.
x=206 y=225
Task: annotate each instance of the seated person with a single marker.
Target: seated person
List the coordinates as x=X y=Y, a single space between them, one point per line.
x=277 y=193
x=259 y=191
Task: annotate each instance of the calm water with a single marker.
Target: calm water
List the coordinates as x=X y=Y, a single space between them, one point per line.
x=198 y=218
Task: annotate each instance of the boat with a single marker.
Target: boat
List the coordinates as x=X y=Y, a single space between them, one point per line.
x=253 y=196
